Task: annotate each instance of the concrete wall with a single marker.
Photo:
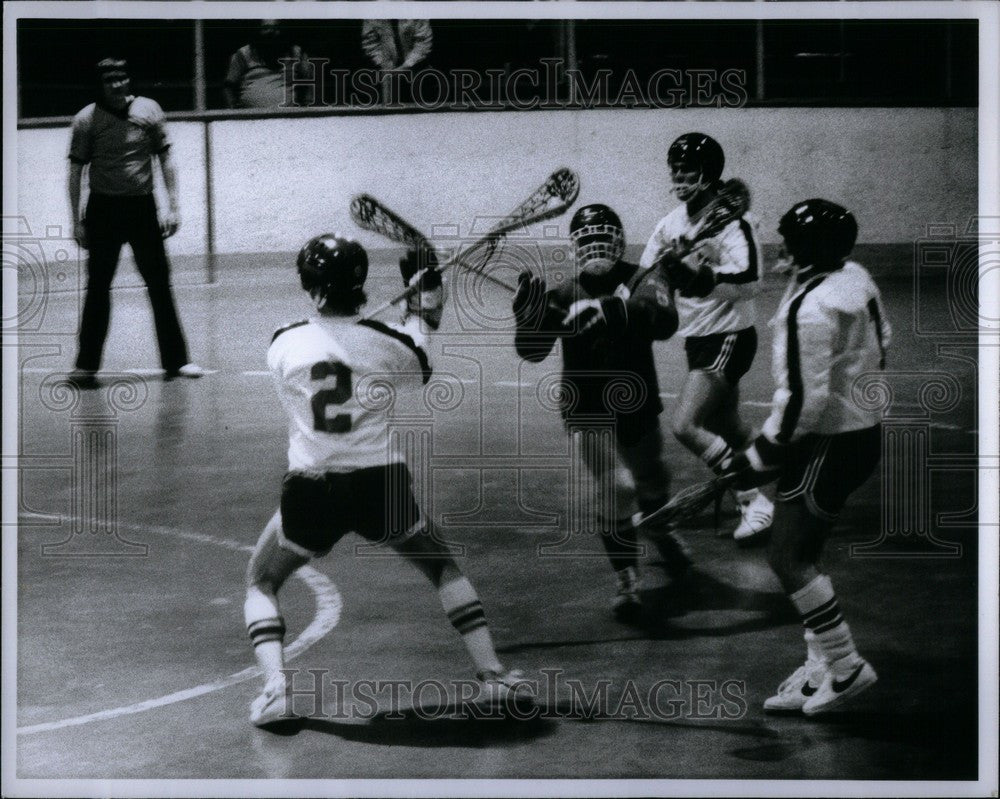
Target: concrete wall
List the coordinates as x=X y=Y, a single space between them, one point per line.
x=43 y=199
x=279 y=181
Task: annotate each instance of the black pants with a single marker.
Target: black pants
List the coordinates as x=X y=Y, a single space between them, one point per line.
x=112 y=222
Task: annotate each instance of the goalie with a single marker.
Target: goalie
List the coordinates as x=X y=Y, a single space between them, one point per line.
x=607 y=318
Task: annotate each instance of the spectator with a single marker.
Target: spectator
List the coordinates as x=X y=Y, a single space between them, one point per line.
x=396 y=44
x=256 y=76
x=117 y=136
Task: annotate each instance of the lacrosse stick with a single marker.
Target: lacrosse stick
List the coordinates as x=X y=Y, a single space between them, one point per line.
x=689 y=502
x=550 y=199
x=731 y=203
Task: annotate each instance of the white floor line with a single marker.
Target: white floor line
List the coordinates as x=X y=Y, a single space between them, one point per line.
x=326 y=617
x=142 y=372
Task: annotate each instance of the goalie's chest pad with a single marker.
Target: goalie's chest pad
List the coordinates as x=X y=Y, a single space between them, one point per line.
x=593 y=359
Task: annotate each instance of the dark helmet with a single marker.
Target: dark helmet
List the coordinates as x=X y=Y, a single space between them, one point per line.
x=818 y=232
x=597 y=234
x=333 y=269
x=696 y=152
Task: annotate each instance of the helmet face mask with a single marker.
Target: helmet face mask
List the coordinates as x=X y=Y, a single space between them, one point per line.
x=687 y=184
x=333 y=270
x=598 y=238
x=785 y=263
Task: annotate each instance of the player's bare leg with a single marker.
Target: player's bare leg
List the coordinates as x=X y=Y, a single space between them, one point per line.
x=462 y=606
x=727 y=423
x=702 y=395
x=707 y=413
x=270 y=565
x=833 y=671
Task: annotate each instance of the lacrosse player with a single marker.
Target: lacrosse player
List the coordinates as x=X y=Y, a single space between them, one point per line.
x=714 y=289
x=342 y=475
x=818 y=442
x=607 y=317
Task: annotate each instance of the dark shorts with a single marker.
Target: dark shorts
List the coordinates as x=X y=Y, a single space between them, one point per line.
x=823 y=470
x=729 y=354
x=318 y=509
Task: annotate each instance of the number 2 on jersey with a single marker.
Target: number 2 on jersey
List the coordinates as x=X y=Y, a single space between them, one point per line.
x=338 y=395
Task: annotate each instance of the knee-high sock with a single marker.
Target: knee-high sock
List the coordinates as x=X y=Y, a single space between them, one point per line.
x=266 y=628
x=718 y=455
x=817 y=605
x=465 y=612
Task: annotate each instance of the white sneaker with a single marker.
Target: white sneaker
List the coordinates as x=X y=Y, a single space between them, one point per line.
x=189 y=370
x=626 y=606
x=837 y=689
x=501 y=685
x=757 y=516
x=794 y=692
x=273 y=705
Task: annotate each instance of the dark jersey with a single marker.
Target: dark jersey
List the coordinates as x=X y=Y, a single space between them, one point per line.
x=608 y=369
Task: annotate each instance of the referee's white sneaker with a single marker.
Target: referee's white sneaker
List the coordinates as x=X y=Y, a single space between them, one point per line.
x=795 y=691
x=757 y=515
x=188 y=370
x=273 y=706
x=840 y=685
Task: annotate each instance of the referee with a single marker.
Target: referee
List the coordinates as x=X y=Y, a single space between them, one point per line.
x=118 y=137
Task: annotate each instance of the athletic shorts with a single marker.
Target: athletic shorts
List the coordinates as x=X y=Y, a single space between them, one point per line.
x=729 y=354
x=824 y=470
x=318 y=509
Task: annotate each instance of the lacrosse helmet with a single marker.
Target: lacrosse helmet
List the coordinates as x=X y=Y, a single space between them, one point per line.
x=695 y=162
x=333 y=269
x=818 y=233
x=598 y=237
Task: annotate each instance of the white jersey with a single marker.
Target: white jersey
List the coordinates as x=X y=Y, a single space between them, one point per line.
x=733 y=256
x=829 y=330
x=333 y=376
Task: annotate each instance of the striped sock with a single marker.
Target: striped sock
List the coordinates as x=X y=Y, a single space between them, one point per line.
x=263 y=619
x=266 y=628
x=817 y=605
x=718 y=455
x=465 y=612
